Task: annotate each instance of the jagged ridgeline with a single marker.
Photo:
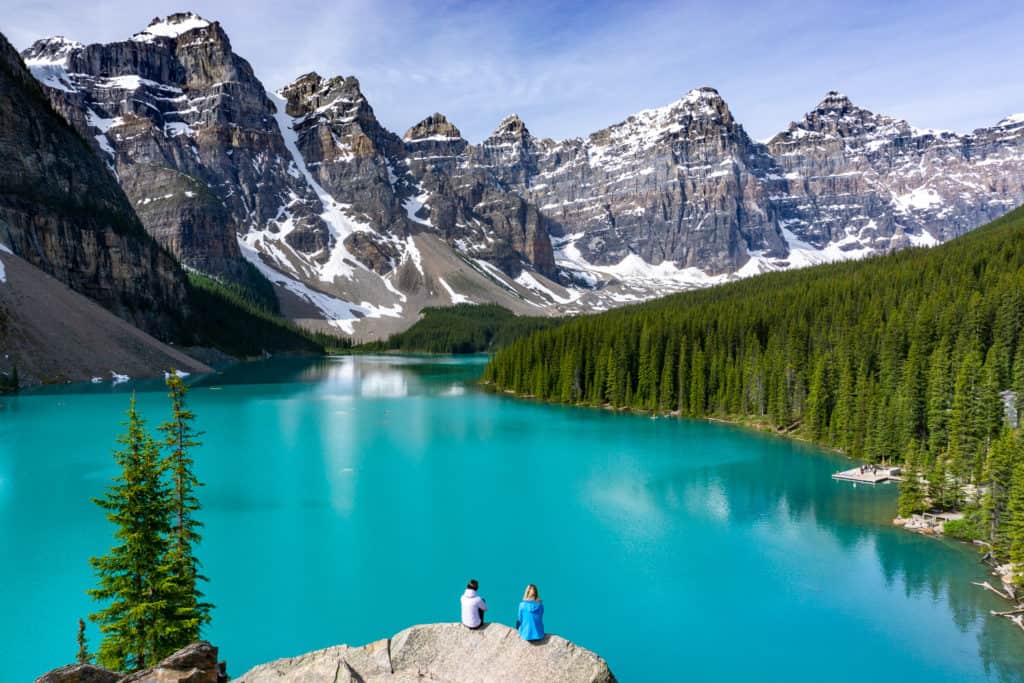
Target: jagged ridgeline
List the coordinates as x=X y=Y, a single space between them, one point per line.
x=916 y=346
x=361 y=229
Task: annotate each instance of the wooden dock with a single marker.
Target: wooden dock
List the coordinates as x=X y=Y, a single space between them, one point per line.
x=867 y=476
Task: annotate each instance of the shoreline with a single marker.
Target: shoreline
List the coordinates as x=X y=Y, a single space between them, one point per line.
x=760 y=427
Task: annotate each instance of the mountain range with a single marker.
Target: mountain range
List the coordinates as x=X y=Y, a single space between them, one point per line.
x=359 y=228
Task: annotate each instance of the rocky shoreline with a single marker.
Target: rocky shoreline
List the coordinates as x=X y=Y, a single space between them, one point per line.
x=436 y=652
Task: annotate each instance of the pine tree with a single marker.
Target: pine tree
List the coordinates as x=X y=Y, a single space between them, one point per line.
x=186 y=612
x=132 y=574
x=819 y=407
x=698 y=387
x=1015 y=524
x=83 y=656
x=939 y=489
x=964 y=440
x=999 y=469
x=911 y=498
x=940 y=397
x=667 y=399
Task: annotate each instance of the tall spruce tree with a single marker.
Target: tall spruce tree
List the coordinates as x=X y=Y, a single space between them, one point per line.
x=999 y=469
x=83 y=656
x=1015 y=524
x=186 y=611
x=132 y=575
x=911 y=498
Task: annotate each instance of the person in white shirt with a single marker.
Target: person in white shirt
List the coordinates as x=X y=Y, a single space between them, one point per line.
x=473 y=606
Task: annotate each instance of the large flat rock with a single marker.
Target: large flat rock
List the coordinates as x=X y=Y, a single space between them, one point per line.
x=442 y=653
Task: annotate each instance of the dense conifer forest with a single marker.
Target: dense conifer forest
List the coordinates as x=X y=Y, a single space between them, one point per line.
x=243 y=322
x=464 y=328
x=913 y=358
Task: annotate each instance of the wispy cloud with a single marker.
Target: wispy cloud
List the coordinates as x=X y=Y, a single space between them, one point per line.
x=572 y=67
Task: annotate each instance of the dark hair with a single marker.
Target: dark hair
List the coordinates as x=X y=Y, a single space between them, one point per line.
x=472 y=585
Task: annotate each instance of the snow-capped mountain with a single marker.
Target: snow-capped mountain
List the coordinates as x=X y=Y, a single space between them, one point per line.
x=361 y=228
x=863 y=181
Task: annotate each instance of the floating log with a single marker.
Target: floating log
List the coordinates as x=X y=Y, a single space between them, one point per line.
x=987 y=586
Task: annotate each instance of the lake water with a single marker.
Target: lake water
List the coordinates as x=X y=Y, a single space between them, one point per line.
x=347 y=498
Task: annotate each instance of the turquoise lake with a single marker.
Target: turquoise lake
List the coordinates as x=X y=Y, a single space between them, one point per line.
x=347 y=498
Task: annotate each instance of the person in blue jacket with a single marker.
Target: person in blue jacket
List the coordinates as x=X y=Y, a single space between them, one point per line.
x=531 y=615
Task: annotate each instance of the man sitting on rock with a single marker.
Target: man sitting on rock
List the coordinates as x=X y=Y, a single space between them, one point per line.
x=473 y=606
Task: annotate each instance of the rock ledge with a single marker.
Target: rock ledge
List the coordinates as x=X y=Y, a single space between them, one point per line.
x=442 y=653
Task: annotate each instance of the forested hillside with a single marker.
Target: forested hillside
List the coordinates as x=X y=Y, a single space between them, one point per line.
x=899 y=357
x=465 y=328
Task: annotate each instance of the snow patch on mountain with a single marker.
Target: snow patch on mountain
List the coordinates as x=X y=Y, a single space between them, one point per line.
x=49 y=62
x=3 y=273
x=412 y=253
x=455 y=297
x=340 y=225
x=1011 y=120
x=337 y=312
x=529 y=280
x=171 y=27
x=920 y=198
x=412 y=205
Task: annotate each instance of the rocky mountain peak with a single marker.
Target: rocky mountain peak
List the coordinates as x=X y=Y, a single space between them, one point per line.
x=511 y=127
x=835 y=101
x=172 y=26
x=704 y=100
x=837 y=116
x=435 y=128
x=312 y=93
x=701 y=112
x=53 y=50
x=1012 y=121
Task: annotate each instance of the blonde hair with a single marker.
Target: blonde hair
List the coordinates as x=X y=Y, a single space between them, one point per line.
x=531 y=593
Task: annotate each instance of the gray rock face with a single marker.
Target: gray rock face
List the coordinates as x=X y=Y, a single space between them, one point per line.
x=471 y=205
x=308 y=188
x=398 y=188
x=79 y=673
x=869 y=182
x=682 y=183
x=61 y=211
x=326 y=203
x=685 y=184
x=190 y=133
x=196 y=663
x=447 y=653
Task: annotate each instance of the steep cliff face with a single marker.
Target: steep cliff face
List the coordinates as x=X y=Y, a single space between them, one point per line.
x=63 y=212
x=399 y=188
x=471 y=205
x=682 y=183
x=346 y=149
x=304 y=184
x=190 y=133
x=680 y=196
x=869 y=183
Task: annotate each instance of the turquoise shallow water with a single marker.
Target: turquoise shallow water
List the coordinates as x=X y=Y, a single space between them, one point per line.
x=348 y=498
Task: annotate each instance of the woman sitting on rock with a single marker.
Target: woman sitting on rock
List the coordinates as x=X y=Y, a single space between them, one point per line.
x=531 y=615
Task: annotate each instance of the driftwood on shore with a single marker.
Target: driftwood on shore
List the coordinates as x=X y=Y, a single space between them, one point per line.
x=989 y=587
x=1008 y=613
x=1016 y=615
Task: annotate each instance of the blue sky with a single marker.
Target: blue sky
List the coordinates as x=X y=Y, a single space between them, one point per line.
x=569 y=68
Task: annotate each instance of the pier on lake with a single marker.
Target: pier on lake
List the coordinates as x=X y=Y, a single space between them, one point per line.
x=868 y=476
